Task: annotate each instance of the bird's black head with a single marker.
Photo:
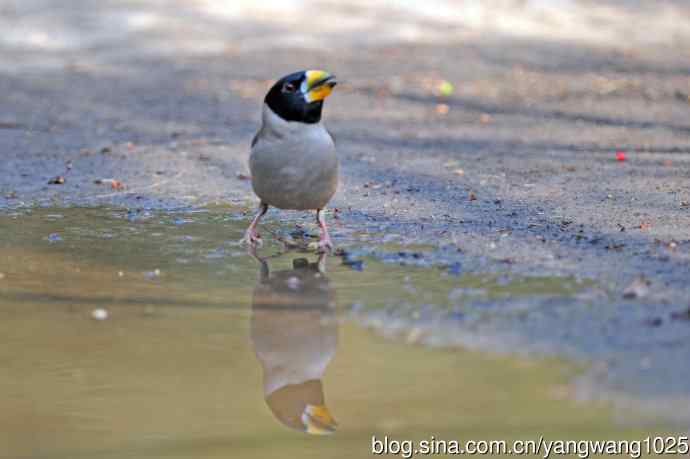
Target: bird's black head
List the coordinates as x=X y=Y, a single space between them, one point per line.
x=299 y=96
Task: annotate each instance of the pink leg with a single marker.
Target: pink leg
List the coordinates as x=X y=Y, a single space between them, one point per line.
x=251 y=237
x=325 y=243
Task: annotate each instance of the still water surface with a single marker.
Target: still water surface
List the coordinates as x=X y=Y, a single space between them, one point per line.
x=144 y=335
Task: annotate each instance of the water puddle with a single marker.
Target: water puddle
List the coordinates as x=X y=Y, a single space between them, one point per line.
x=155 y=335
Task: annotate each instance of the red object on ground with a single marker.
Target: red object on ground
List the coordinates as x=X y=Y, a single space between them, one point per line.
x=620 y=156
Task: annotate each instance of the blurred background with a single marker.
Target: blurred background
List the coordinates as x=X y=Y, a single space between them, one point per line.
x=212 y=27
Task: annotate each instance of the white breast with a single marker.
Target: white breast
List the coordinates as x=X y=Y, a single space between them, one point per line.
x=294 y=165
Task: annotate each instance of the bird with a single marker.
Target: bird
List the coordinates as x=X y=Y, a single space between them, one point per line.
x=294 y=333
x=293 y=160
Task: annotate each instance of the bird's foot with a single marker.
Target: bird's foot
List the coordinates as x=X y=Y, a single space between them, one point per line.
x=325 y=245
x=252 y=238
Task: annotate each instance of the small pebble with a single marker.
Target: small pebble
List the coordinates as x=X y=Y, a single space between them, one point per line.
x=99 y=314
x=293 y=283
x=681 y=315
x=357 y=265
x=442 y=109
x=654 y=322
x=59 y=180
x=151 y=274
x=455 y=269
x=638 y=288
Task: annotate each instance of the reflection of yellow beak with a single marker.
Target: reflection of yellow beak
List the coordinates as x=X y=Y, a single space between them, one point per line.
x=317 y=85
x=318 y=420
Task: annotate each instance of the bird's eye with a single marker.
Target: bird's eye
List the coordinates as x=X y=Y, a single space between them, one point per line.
x=288 y=87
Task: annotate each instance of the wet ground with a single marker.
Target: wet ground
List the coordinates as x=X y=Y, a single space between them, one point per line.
x=153 y=335
x=480 y=156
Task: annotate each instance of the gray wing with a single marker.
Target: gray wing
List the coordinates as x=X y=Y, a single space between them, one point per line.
x=331 y=134
x=255 y=139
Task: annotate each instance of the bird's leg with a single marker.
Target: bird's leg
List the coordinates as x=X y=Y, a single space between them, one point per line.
x=251 y=237
x=264 y=272
x=321 y=263
x=325 y=243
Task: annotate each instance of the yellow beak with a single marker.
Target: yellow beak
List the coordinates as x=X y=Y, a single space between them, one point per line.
x=317 y=85
x=318 y=420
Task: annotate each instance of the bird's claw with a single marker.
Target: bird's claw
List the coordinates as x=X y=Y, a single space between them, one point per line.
x=324 y=246
x=252 y=239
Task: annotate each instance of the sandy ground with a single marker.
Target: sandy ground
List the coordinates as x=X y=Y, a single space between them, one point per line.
x=516 y=165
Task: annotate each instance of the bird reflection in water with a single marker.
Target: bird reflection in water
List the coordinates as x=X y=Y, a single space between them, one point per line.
x=294 y=332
